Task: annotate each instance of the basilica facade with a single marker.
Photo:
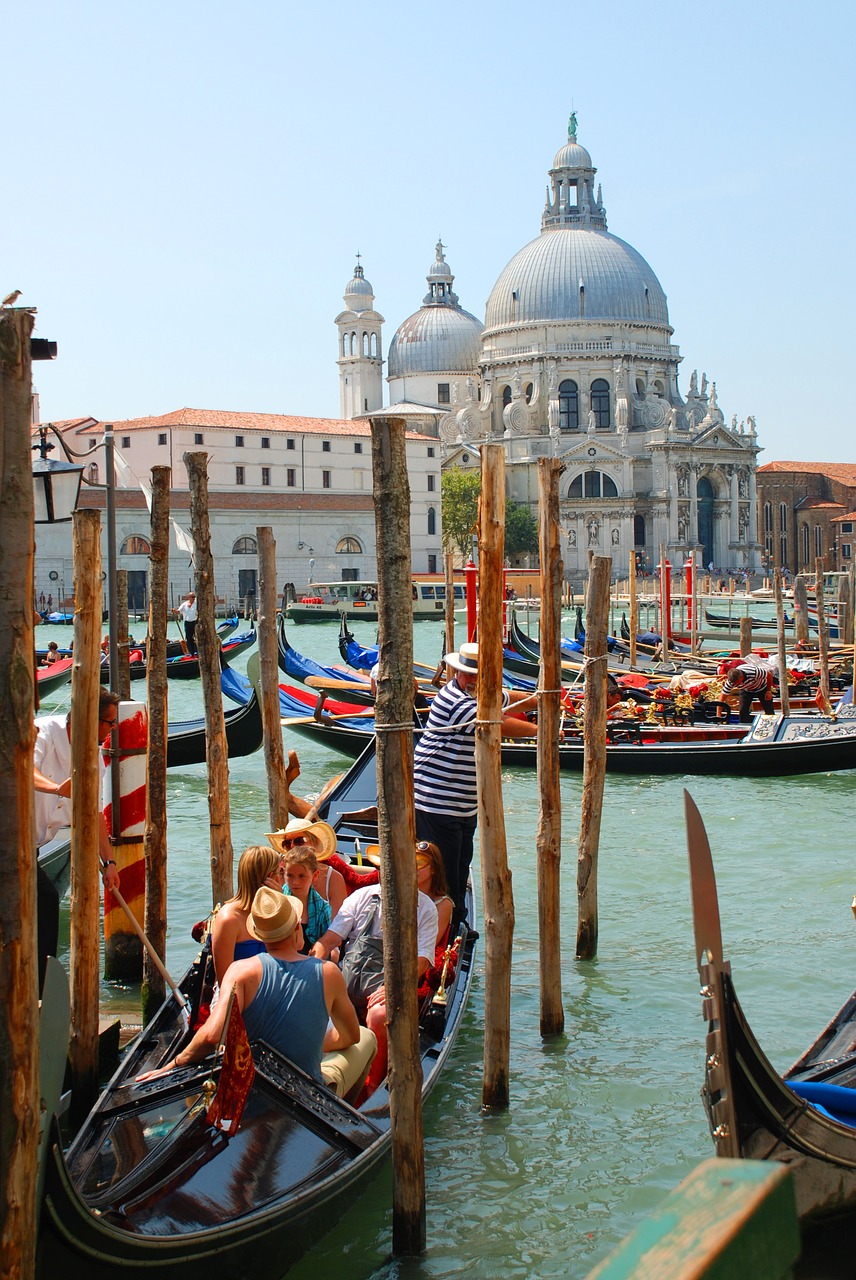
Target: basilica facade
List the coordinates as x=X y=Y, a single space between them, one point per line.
x=575 y=360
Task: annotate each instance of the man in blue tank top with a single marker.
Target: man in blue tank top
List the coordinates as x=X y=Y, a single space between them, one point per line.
x=285 y=998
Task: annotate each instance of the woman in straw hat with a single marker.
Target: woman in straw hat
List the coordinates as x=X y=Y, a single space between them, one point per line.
x=286 y=998
x=321 y=839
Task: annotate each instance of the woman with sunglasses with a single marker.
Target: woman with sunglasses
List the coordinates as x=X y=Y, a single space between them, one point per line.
x=431 y=879
x=230 y=939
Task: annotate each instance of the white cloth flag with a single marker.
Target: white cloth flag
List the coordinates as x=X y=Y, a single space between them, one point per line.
x=183 y=540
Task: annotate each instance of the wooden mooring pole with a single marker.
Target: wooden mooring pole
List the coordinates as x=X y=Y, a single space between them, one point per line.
x=633 y=608
x=594 y=753
x=277 y=786
x=19 y=1038
x=154 y=838
x=800 y=610
x=497 y=899
x=397 y=830
x=121 y=679
x=781 y=646
x=208 y=643
x=548 y=840
x=822 y=630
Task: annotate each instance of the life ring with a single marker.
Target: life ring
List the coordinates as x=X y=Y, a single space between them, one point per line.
x=311 y=600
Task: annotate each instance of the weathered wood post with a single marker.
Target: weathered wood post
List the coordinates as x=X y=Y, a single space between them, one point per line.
x=154 y=839
x=19 y=1038
x=845 y=610
x=85 y=811
x=665 y=604
x=497 y=898
x=120 y=679
x=449 y=602
x=397 y=829
x=800 y=610
x=277 y=786
x=594 y=757
x=216 y=747
x=822 y=631
x=781 y=646
x=745 y=636
x=633 y=608
x=694 y=609
x=548 y=839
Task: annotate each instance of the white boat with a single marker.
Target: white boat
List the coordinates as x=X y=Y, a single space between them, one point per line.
x=359 y=600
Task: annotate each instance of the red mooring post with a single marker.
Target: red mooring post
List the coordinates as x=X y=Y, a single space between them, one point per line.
x=470 y=580
x=688 y=574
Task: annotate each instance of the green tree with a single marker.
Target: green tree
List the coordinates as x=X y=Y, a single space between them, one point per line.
x=460 y=495
x=521 y=529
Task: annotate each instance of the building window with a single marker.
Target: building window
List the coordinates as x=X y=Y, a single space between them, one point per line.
x=92 y=443
x=443 y=396
x=265 y=442
x=135 y=545
x=239 y=442
x=783 y=518
x=265 y=476
x=430 y=451
x=600 y=402
x=783 y=551
x=92 y=473
x=506 y=397
x=806 y=548
x=349 y=547
x=289 y=444
x=239 y=475
x=593 y=484
x=569 y=406
x=162 y=437
x=358 y=446
x=126 y=442
x=432 y=483
x=847 y=526
x=432 y=564
x=290 y=478
x=326 y=479
x=845 y=551
x=818 y=540
x=325 y=446
x=527 y=392
x=768 y=518
x=432 y=521
x=197 y=438
x=246 y=546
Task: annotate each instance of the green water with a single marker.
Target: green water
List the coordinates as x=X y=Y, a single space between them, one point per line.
x=603 y=1122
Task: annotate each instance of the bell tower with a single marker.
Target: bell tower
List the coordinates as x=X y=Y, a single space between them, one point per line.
x=360 y=362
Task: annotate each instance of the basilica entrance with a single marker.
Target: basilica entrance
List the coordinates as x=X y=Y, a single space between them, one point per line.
x=705 y=520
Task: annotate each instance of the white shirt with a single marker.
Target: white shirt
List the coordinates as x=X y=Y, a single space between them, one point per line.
x=52 y=757
x=356 y=910
x=187 y=609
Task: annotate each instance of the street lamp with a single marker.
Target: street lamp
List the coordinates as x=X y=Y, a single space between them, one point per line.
x=56 y=485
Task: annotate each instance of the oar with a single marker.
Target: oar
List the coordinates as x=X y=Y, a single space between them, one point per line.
x=156 y=960
x=184 y=648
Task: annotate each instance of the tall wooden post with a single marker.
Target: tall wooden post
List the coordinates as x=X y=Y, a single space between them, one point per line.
x=449 y=611
x=800 y=610
x=277 y=787
x=633 y=608
x=822 y=630
x=496 y=877
x=120 y=679
x=85 y=810
x=781 y=647
x=154 y=840
x=397 y=830
x=692 y=569
x=216 y=747
x=19 y=1039
x=745 y=636
x=594 y=758
x=845 y=611
x=549 y=836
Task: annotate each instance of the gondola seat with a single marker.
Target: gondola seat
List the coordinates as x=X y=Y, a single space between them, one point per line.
x=344 y=1070
x=705 y=712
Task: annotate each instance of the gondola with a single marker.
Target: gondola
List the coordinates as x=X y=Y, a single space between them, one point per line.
x=807 y=1118
x=185 y=742
x=298 y=667
x=149 y=1186
x=572 y=655
x=771 y=747
x=363 y=658
x=721 y=620
x=54 y=676
x=187 y=666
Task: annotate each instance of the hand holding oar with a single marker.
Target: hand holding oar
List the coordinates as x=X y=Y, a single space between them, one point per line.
x=156 y=960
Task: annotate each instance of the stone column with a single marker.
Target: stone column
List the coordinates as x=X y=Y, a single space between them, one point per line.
x=734 y=521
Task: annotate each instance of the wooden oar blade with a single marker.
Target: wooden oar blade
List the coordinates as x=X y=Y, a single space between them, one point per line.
x=706 y=925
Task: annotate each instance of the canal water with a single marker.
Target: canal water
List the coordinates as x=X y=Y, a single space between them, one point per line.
x=606 y=1120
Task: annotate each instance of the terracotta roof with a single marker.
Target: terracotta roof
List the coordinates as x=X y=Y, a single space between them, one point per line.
x=850 y=515
x=817 y=504
x=226 y=420
x=843 y=471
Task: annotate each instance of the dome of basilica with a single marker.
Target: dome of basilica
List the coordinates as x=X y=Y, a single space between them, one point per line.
x=440 y=337
x=572 y=273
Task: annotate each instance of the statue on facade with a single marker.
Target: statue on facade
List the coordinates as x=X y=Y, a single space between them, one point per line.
x=592 y=422
x=751 y=421
x=671 y=418
x=593 y=527
x=572 y=127
x=615 y=537
x=704 y=384
x=455 y=399
x=471 y=388
x=743 y=484
x=683 y=481
x=683 y=527
x=553 y=416
x=734 y=423
x=572 y=537
x=713 y=401
x=694 y=383
x=515 y=384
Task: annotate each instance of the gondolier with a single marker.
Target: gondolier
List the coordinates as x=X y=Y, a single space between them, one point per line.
x=750 y=677
x=444 y=767
x=188 y=611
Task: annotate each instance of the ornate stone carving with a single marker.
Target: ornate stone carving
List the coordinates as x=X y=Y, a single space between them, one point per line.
x=593 y=528
x=514 y=418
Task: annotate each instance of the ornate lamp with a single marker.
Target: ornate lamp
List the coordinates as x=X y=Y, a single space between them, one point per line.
x=56 y=485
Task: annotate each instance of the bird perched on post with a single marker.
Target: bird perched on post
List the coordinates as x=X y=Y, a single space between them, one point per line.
x=11 y=298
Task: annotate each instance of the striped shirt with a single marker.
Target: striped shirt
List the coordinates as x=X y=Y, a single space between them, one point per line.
x=444 y=762
x=757 y=676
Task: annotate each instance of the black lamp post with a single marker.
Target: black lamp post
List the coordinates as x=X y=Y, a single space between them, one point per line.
x=56 y=485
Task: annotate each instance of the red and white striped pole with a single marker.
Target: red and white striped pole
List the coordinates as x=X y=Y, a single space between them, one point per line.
x=123 y=953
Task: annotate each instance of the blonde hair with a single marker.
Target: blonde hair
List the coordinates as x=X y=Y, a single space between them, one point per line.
x=300 y=855
x=257 y=863
x=439 y=881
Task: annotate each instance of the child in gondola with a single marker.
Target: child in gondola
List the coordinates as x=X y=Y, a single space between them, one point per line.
x=301 y=867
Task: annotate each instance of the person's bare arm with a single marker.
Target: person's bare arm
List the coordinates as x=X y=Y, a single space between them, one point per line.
x=325 y=944
x=345 y=1030
x=49 y=787
x=208 y=1036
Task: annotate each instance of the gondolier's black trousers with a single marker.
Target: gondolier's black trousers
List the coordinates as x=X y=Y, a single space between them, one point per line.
x=190 y=632
x=454 y=838
x=746 y=699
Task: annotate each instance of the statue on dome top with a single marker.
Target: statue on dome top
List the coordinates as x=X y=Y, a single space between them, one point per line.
x=572 y=127
x=694 y=383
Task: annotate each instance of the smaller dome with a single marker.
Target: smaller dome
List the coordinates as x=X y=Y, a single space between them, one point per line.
x=572 y=156
x=358 y=295
x=436 y=339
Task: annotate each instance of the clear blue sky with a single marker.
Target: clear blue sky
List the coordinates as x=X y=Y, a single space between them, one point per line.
x=186 y=186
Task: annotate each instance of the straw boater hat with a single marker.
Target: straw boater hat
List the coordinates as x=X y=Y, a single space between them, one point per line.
x=322 y=835
x=466 y=659
x=273 y=916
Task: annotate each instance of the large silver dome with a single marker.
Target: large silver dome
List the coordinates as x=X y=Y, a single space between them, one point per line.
x=437 y=339
x=543 y=282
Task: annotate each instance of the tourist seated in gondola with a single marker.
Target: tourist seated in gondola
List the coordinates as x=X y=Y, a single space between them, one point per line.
x=52 y=654
x=296 y=1004
x=301 y=868
x=230 y=938
x=321 y=839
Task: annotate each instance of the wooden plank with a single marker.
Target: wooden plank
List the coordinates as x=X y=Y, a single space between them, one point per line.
x=729 y=1218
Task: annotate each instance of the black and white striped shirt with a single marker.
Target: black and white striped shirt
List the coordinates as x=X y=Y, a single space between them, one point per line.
x=444 y=762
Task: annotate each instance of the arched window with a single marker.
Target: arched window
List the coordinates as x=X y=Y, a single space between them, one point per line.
x=353 y=344
x=344 y=344
x=506 y=397
x=365 y=344
x=348 y=547
x=569 y=406
x=246 y=546
x=92 y=473
x=806 y=546
x=432 y=520
x=135 y=545
x=639 y=531
x=527 y=392
x=374 y=347
x=768 y=518
x=593 y=484
x=600 y=402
